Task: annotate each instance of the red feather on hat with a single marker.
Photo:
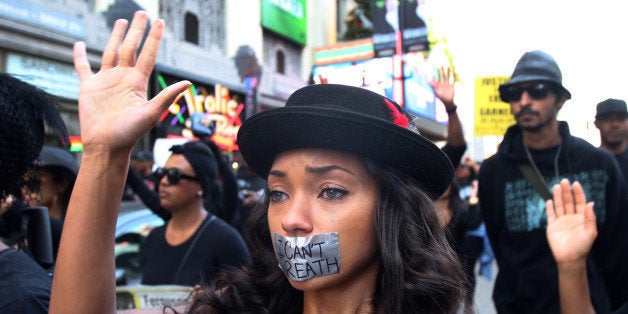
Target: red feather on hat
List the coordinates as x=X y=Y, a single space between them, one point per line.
x=396 y=116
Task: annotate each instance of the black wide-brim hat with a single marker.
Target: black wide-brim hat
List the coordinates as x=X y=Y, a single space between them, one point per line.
x=348 y=119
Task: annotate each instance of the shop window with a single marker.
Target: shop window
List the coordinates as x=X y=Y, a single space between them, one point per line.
x=191 y=28
x=281 y=62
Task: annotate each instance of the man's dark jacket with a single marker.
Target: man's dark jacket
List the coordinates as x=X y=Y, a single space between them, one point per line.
x=514 y=214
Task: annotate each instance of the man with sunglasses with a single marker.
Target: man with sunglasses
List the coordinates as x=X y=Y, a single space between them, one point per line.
x=514 y=184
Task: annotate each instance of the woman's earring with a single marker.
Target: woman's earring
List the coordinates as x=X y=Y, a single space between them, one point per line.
x=199 y=193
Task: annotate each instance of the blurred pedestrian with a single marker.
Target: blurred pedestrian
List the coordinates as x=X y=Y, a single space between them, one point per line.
x=457 y=215
x=476 y=243
x=228 y=201
x=194 y=243
x=57 y=173
x=466 y=173
x=514 y=183
x=26 y=111
x=611 y=119
x=250 y=191
x=143 y=163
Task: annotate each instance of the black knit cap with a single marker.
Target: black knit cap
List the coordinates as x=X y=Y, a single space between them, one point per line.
x=536 y=66
x=611 y=106
x=348 y=119
x=202 y=161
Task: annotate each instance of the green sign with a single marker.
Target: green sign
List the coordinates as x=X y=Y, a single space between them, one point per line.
x=286 y=18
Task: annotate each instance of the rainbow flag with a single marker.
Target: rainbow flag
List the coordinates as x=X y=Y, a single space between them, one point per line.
x=75 y=144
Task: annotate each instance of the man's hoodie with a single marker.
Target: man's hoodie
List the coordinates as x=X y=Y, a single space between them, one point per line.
x=514 y=214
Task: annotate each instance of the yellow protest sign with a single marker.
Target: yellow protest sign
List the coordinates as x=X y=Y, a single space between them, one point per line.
x=492 y=116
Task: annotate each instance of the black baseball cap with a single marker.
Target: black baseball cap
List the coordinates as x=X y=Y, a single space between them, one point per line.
x=611 y=106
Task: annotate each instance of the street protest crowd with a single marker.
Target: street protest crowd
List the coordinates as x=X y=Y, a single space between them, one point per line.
x=339 y=203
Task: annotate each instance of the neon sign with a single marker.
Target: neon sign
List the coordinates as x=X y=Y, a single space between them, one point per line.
x=198 y=112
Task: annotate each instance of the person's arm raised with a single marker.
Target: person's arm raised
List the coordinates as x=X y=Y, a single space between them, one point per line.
x=114 y=114
x=444 y=89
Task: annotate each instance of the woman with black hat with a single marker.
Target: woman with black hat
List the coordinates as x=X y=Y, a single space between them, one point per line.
x=191 y=247
x=348 y=224
x=348 y=217
x=56 y=171
x=57 y=174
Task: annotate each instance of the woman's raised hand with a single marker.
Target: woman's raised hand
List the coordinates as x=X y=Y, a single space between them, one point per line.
x=113 y=106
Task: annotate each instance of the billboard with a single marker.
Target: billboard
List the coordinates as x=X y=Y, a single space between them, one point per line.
x=287 y=18
x=202 y=110
x=389 y=18
x=492 y=116
x=376 y=74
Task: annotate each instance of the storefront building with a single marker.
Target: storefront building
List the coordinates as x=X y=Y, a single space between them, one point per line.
x=355 y=63
x=36 y=40
x=208 y=109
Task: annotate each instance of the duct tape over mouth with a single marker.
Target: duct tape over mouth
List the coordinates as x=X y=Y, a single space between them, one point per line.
x=304 y=258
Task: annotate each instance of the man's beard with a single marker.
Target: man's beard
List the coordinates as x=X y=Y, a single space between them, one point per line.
x=532 y=128
x=613 y=142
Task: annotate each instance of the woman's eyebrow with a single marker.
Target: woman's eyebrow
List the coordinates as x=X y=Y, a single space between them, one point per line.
x=277 y=173
x=324 y=169
x=314 y=170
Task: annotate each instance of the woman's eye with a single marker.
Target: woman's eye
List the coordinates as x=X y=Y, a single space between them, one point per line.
x=276 y=196
x=333 y=193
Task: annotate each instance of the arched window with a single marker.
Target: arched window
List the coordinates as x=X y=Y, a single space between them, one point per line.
x=191 y=28
x=281 y=62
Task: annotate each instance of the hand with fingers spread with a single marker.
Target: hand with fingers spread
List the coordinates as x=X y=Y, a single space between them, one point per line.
x=113 y=106
x=114 y=114
x=443 y=86
x=571 y=230
x=571 y=224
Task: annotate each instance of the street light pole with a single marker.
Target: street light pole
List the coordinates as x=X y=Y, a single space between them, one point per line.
x=399 y=94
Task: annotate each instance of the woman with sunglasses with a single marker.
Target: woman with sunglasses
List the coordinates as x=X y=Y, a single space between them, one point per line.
x=348 y=223
x=221 y=204
x=194 y=243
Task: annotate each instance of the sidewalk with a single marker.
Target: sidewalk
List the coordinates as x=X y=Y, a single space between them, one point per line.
x=483 y=302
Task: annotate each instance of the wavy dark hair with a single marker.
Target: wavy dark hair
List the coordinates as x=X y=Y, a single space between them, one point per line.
x=419 y=270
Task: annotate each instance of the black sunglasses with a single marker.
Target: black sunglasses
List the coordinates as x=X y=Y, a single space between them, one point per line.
x=174 y=175
x=537 y=91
